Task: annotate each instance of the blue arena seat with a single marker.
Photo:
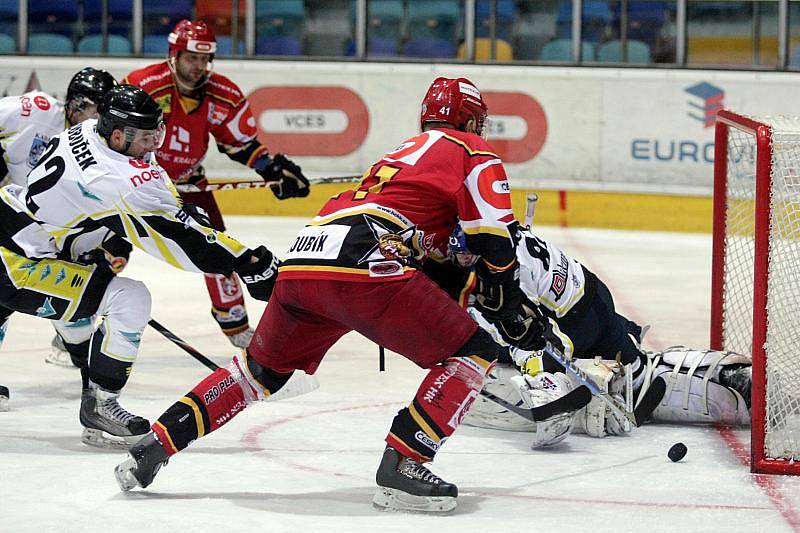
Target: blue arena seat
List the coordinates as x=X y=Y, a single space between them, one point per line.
x=433 y=18
x=595 y=18
x=93 y=44
x=49 y=44
x=155 y=45
x=504 y=21
x=384 y=18
x=278 y=45
x=561 y=50
x=46 y=16
x=431 y=47
x=611 y=52
x=225 y=46
x=8 y=45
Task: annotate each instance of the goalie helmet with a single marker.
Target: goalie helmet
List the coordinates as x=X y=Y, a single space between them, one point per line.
x=454 y=101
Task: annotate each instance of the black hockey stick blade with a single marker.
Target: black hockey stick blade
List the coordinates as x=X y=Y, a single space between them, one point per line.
x=652 y=397
x=185 y=346
x=572 y=401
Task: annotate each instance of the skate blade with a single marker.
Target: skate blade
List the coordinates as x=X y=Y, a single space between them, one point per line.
x=387 y=499
x=100 y=439
x=124 y=474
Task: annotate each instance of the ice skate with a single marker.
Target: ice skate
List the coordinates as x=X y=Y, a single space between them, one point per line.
x=145 y=459
x=242 y=339
x=59 y=355
x=106 y=424
x=405 y=485
x=4 y=396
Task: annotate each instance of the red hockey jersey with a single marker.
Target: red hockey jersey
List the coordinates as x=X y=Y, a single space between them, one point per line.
x=414 y=195
x=221 y=110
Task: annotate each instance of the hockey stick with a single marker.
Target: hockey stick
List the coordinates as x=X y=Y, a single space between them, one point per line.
x=255 y=183
x=571 y=401
x=530 y=209
x=647 y=403
x=183 y=345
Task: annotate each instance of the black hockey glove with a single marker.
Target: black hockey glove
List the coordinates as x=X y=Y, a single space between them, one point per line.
x=529 y=329
x=259 y=276
x=284 y=176
x=198 y=214
x=497 y=294
x=112 y=254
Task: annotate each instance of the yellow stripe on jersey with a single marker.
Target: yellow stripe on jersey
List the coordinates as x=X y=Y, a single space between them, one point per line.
x=502 y=232
x=469 y=150
x=162 y=246
x=52 y=277
x=198 y=418
x=325 y=268
x=560 y=310
x=347 y=212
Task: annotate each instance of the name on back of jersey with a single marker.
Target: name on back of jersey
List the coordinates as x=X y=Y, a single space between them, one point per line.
x=318 y=242
x=79 y=147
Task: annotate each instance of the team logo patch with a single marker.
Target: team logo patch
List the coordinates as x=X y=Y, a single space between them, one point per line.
x=37 y=149
x=380 y=269
x=426 y=441
x=41 y=102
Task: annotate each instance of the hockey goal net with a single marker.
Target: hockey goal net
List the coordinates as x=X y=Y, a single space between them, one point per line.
x=755 y=306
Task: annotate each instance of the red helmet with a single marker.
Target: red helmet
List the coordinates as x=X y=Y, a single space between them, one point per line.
x=192 y=36
x=455 y=101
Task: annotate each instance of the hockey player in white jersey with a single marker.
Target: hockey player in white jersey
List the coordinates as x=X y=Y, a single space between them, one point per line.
x=100 y=175
x=702 y=386
x=27 y=123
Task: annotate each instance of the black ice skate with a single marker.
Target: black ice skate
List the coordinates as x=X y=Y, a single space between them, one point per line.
x=106 y=424
x=406 y=485
x=145 y=459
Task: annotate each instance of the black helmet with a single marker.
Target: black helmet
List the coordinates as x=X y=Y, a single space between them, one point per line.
x=90 y=83
x=127 y=106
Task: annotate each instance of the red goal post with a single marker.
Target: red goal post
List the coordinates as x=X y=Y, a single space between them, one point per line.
x=755 y=287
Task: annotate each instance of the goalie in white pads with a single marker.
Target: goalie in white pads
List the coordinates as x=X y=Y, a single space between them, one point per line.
x=99 y=176
x=605 y=345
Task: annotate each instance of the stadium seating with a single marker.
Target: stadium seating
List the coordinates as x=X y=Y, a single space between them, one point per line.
x=49 y=17
x=225 y=46
x=50 y=44
x=155 y=45
x=561 y=50
x=611 y=52
x=160 y=16
x=278 y=45
x=8 y=45
x=483 y=50
x=596 y=19
x=429 y=47
x=120 y=16
x=93 y=44
x=504 y=19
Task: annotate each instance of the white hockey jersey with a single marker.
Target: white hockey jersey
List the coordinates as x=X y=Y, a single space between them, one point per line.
x=548 y=276
x=27 y=123
x=81 y=186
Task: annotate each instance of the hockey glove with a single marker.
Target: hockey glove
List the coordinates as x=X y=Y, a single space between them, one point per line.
x=497 y=294
x=198 y=214
x=529 y=330
x=283 y=176
x=259 y=276
x=112 y=254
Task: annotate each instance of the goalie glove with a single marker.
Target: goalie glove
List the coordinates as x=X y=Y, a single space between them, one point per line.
x=285 y=178
x=529 y=330
x=259 y=276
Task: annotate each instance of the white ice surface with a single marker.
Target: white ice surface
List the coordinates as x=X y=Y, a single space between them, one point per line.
x=307 y=464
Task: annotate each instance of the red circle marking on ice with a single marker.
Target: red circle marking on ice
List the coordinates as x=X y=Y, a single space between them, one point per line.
x=313 y=98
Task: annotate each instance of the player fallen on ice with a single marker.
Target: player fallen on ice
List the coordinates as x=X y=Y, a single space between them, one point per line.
x=198 y=102
x=355 y=266
x=27 y=123
x=100 y=175
x=606 y=346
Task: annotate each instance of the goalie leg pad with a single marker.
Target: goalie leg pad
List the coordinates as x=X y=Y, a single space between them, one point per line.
x=485 y=413
x=541 y=389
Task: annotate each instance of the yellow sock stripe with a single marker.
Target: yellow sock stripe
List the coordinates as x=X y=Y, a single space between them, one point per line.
x=463 y=297
x=408 y=451
x=480 y=360
x=198 y=417
x=169 y=437
x=422 y=424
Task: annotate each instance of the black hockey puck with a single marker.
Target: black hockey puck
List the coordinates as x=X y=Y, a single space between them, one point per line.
x=677 y=452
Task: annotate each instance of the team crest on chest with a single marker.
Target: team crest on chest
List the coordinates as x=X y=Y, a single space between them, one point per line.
x=37 y=149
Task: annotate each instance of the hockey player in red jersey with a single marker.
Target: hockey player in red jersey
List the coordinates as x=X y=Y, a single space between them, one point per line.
x=355 y=266
x=197 y=102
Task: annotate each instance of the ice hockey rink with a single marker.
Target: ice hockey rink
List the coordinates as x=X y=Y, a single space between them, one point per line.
x=307 y=464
